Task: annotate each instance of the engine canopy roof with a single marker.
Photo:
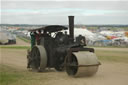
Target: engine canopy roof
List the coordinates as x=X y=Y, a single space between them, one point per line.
x=51 y=28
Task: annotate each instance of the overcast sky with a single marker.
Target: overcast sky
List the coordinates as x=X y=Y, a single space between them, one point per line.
x=57 y=12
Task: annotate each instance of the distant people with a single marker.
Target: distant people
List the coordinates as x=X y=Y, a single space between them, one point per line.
x=33 y=39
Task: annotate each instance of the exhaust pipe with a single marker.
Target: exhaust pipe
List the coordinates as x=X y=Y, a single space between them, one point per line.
x=71 y=27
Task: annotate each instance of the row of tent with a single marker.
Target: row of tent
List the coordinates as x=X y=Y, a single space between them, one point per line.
x=111 y=39
x=103 y=38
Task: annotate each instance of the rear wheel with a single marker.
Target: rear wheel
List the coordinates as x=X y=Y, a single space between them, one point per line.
x=38 y=58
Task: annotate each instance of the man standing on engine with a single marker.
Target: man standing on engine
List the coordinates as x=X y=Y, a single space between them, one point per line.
x=33 y=39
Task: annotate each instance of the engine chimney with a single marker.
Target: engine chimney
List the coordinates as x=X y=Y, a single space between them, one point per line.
x=71 y=27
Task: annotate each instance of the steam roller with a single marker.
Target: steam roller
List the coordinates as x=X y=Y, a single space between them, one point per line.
x=62 y=51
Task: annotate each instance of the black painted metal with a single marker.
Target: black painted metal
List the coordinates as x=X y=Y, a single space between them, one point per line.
x=60 y=47
x=71 y=27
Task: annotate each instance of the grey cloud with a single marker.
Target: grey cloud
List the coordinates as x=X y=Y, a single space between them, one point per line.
x=106 y=5
x=60 y=17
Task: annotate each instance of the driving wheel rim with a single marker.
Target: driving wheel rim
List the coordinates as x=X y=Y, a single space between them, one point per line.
x=38 y=58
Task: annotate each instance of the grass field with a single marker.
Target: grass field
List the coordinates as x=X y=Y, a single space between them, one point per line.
x=13 y=76
x=24 y=39
x=116 y=56
x=15 y=47
x=8 y=75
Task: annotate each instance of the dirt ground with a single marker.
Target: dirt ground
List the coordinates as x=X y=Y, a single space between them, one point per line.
x=109 y=73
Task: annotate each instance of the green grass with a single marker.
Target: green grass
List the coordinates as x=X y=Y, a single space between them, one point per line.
x=113 y=58
x=13 y=76
x=8 y=75
x=116 y=56
x=16 y=47
x=24 y=39
x=108 y=46
x=6 y=78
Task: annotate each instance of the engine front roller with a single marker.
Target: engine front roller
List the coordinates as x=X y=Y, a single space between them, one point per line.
x=81 y=63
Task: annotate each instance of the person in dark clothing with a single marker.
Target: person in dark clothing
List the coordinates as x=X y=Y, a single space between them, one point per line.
x=38 y=37
x=33 y=39
x=33 y=43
